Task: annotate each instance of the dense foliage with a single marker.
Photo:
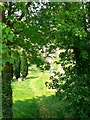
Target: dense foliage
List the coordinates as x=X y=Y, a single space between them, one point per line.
x=74 y=38
x=65 y=25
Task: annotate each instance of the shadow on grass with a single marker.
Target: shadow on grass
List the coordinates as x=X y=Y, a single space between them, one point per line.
x=40 y=107
x=32 y=77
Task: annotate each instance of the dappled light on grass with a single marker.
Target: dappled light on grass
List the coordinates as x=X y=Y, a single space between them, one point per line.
x=32 y=99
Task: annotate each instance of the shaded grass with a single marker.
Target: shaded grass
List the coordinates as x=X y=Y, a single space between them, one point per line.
x=40 y=107
x=26 y=108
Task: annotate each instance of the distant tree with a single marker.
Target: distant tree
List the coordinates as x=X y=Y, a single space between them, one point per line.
x=24 y=65
x=17 y=65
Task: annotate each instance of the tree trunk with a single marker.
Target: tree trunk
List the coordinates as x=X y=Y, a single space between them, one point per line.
x=7 y=75
x=83 y=64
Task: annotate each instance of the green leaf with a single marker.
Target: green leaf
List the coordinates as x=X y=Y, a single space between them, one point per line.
x=7 y=30
x=3 y=36
x=84 y=54
x=4 y=48
x=10 y=37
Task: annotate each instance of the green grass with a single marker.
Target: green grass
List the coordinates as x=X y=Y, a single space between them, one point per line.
x=31 y=98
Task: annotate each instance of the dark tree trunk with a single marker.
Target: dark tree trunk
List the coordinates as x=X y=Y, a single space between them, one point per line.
x=83 y=61
x=7 y=75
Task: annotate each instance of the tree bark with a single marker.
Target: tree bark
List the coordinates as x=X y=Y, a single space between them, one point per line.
x=7 y=75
